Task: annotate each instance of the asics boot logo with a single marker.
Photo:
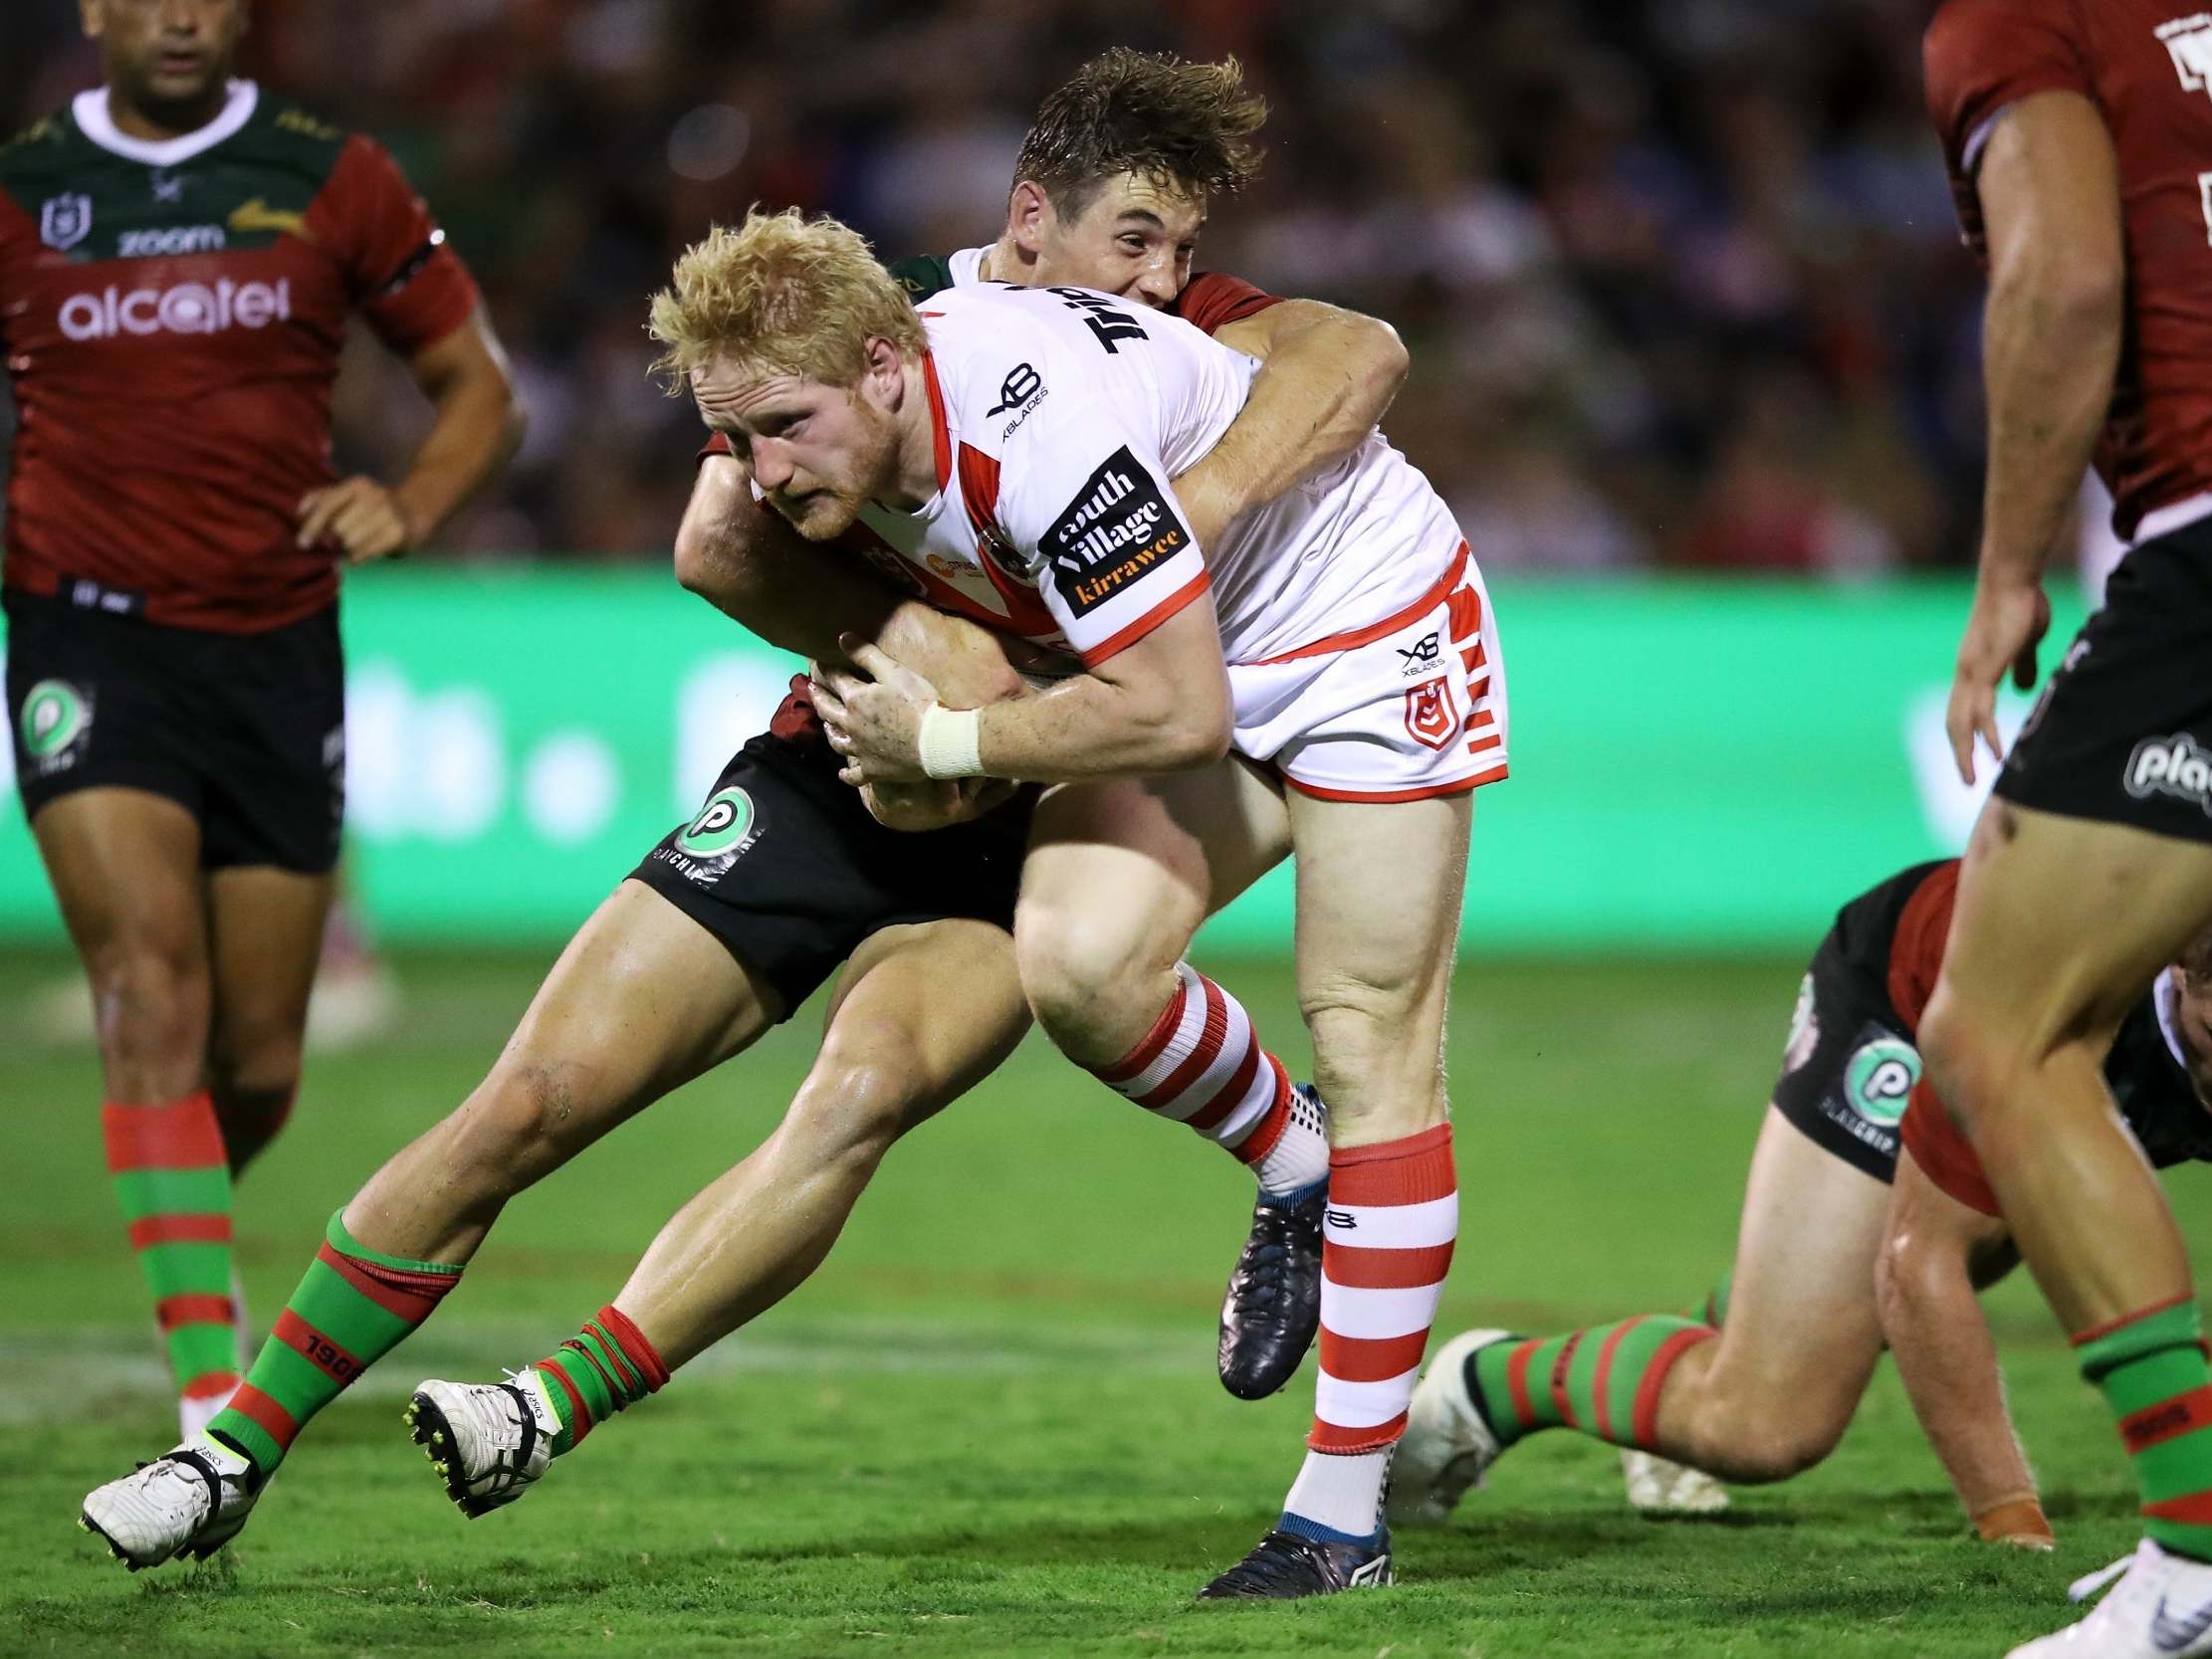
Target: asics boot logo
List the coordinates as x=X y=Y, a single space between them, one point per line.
x=2174 y=1635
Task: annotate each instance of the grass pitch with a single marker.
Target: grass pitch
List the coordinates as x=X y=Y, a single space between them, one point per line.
x=991 y=1424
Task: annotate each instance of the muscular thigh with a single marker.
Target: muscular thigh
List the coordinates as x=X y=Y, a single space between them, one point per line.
x=2062 y=923
x=1379 y=895
x=1801 y=1322
x=642 y=1000
x=1143 y=861
x=923 y=1012
x=124 y=866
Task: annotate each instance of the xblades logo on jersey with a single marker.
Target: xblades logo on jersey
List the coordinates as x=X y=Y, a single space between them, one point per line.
x=1023 y=383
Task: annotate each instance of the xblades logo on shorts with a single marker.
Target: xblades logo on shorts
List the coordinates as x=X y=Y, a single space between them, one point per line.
x=2171 y=766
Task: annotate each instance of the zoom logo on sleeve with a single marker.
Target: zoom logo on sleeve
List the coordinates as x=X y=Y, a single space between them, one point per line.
x=1119 y=527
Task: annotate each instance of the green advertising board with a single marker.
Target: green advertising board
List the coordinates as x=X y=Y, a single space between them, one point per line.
x=1696 y=767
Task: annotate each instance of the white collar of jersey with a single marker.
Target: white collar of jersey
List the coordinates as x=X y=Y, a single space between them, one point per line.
x=2165 y=997
x=965 y=266
x=91 y=110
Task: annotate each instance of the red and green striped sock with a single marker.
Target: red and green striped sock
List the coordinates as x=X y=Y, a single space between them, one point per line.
x=2153 y=1371
x=606 y=1365
x=353 y=1307
x=172 y=1183
x=1603 y=1380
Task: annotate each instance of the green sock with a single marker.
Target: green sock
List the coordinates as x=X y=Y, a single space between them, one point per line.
x=606 y=1365
x=2154 y=1375
x=172 y=1184
x=351 y=1309
x=1603 y=1380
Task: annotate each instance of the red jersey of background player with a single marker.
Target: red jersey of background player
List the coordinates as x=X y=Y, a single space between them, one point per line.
x=2147 y=67
x=171 y=314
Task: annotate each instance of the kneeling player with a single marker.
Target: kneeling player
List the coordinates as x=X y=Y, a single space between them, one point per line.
x=1762 y=1381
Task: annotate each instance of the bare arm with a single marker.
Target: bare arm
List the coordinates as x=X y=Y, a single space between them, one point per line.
x=1924 y=1283
x=1159 y=704
x=2049 y=186
x=755 y=568
x=477 y=425
x=1327 y=376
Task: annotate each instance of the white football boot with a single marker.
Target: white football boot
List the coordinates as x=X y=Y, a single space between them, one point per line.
x=190 y=1502
x=1448 y=1447
x=488 y=1440
x=2161 y=1608
x=1657 y=1487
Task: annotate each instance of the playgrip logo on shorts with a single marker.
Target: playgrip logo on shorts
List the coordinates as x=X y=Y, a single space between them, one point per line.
x=1118 y=527
x=2171 y=767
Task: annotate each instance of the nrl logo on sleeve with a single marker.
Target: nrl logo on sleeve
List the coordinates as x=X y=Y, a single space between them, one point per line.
x=2188 y=42
x=65 y=221
x=1119 y=527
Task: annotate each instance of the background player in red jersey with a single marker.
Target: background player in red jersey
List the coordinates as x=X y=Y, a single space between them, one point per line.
x=2078 y=136
x=1862 y=1221
x=179 y=257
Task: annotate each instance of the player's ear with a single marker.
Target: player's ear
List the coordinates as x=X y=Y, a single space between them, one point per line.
x=882 y=374
x=1029 y=215
x=91 y=16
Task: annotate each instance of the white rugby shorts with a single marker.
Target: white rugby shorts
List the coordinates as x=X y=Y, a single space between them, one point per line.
x=1405 y=708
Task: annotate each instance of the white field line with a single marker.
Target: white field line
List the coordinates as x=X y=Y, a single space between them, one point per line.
x=69 y=1373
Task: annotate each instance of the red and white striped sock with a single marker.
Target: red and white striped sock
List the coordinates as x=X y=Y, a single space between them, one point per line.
x=1394 y=1211
x=1202 y=1064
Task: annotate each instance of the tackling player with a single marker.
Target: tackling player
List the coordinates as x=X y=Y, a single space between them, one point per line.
x=1338 y=635
x=2078 y=138
x=178 y=257
x=1828 y=1259
x=737 y=916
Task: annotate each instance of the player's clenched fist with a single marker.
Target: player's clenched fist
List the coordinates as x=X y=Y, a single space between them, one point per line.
x=360 y=515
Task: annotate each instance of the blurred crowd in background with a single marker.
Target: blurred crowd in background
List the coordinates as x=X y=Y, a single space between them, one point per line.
x=1681 y=277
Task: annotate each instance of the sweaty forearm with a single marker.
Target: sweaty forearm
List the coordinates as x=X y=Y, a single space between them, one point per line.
x=1326 y=379
x=759 y=573
x=1948 y=1364
x=477 y=428
x=2049 y=353
x=1087 y=728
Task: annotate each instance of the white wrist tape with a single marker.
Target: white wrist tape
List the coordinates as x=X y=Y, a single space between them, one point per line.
x=952 y=741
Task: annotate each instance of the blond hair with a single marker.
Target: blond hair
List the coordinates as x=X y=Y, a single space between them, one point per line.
x=782 y=293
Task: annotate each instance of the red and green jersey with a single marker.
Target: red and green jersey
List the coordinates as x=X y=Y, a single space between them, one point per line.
x=171 y=315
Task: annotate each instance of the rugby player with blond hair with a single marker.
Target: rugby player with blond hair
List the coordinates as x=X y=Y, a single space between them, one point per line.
x=1338 y=637
x=737 y=916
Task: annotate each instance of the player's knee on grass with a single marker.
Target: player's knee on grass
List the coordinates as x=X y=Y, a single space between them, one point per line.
x=1780 y=1433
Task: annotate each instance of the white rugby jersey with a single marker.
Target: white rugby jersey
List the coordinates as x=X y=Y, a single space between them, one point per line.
x=1061 y=414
